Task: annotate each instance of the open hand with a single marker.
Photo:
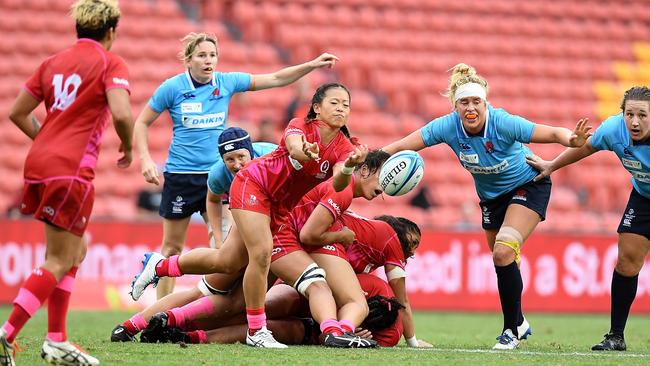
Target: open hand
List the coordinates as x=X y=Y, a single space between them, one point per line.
x=543 y=166
x=310 y=149
x=357 y=156
x=580 y=133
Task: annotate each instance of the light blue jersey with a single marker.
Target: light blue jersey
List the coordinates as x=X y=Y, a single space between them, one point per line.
x=199 y=116
x=496 y=158
x=613 y=135
x=220 y=178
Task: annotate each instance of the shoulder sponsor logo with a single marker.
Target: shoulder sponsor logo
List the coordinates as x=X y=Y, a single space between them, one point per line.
x=469 y=158
x=334 y=205
x=48 y=210
x=632 y=164
x=121 y=81
x=330 y=248
x=204 y=121
x=495 y=169
x=191 y=107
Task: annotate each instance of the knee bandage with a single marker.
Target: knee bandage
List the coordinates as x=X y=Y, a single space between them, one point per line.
x=311 y=274
x=512 y=238
x=208 y=290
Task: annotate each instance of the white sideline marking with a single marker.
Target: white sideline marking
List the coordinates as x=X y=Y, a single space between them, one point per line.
x=530 y=353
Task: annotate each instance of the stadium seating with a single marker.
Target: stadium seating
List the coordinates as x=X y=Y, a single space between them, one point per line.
x=552 y=62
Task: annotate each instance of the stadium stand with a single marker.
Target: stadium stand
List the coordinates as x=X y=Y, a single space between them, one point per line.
x=550 y=61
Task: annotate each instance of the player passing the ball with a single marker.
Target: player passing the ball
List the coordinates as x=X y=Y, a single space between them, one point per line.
x=489 y=143
x=627 y=134
x=82 y=87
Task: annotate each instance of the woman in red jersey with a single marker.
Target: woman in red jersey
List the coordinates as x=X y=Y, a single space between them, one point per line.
x=293 y=264
x=262 y=194
x=82 y=87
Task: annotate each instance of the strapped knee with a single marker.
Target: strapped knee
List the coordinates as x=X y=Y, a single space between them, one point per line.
x=511 y=238
x=313 y=273
x=207 y=290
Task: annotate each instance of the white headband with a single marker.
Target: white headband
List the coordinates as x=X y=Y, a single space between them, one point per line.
x=470 y=90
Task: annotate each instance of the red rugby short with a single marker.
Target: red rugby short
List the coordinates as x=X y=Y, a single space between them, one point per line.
x=64 y=203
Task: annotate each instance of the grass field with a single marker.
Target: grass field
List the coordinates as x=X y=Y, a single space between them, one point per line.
x=459 y=339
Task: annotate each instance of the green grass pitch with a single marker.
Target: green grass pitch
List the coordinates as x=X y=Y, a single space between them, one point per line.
x=458 y=338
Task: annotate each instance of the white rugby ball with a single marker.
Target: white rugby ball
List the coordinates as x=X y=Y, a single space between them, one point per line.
x=401 y=173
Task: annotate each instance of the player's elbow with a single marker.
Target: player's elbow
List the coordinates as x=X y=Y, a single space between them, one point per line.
x=309 y=238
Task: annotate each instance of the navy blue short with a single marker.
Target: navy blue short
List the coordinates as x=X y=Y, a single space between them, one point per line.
x=534 y=195
x=183 y=195
x=636 y=218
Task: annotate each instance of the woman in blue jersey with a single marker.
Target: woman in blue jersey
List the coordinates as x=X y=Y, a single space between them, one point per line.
x=197 y=101
x=236 y=150
x=627 y=135
x=489 y=143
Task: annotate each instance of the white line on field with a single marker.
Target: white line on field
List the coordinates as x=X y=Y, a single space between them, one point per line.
x=531 y=353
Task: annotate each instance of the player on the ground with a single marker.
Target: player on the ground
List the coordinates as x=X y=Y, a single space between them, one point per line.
x=261 y=196
x=489 y=143
x=82 y=87
x=289 y=319
x=627 y=134
x=197 y=101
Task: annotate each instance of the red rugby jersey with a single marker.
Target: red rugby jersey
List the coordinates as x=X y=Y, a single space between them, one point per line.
x=73 y=85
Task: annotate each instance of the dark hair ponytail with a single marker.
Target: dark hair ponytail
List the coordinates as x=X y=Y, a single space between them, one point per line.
x=382 y=313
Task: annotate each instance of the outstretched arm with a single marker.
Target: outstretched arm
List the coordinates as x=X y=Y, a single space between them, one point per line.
x=343 y=172
x=292 y=73
x=568 y=156
x=561 y=135
x=411 y=142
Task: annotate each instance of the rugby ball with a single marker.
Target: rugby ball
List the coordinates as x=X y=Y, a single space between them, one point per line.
x=401 y=173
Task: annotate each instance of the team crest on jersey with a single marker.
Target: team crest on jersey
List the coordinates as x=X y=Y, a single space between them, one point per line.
x=489 y=147
x=324 y=167
x=252 y=200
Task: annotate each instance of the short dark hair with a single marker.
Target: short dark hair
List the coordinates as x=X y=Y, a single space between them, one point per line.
x=374 y=160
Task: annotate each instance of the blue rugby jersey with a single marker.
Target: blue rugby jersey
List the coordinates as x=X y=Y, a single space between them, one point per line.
x=496 y=158
x=199 y=116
